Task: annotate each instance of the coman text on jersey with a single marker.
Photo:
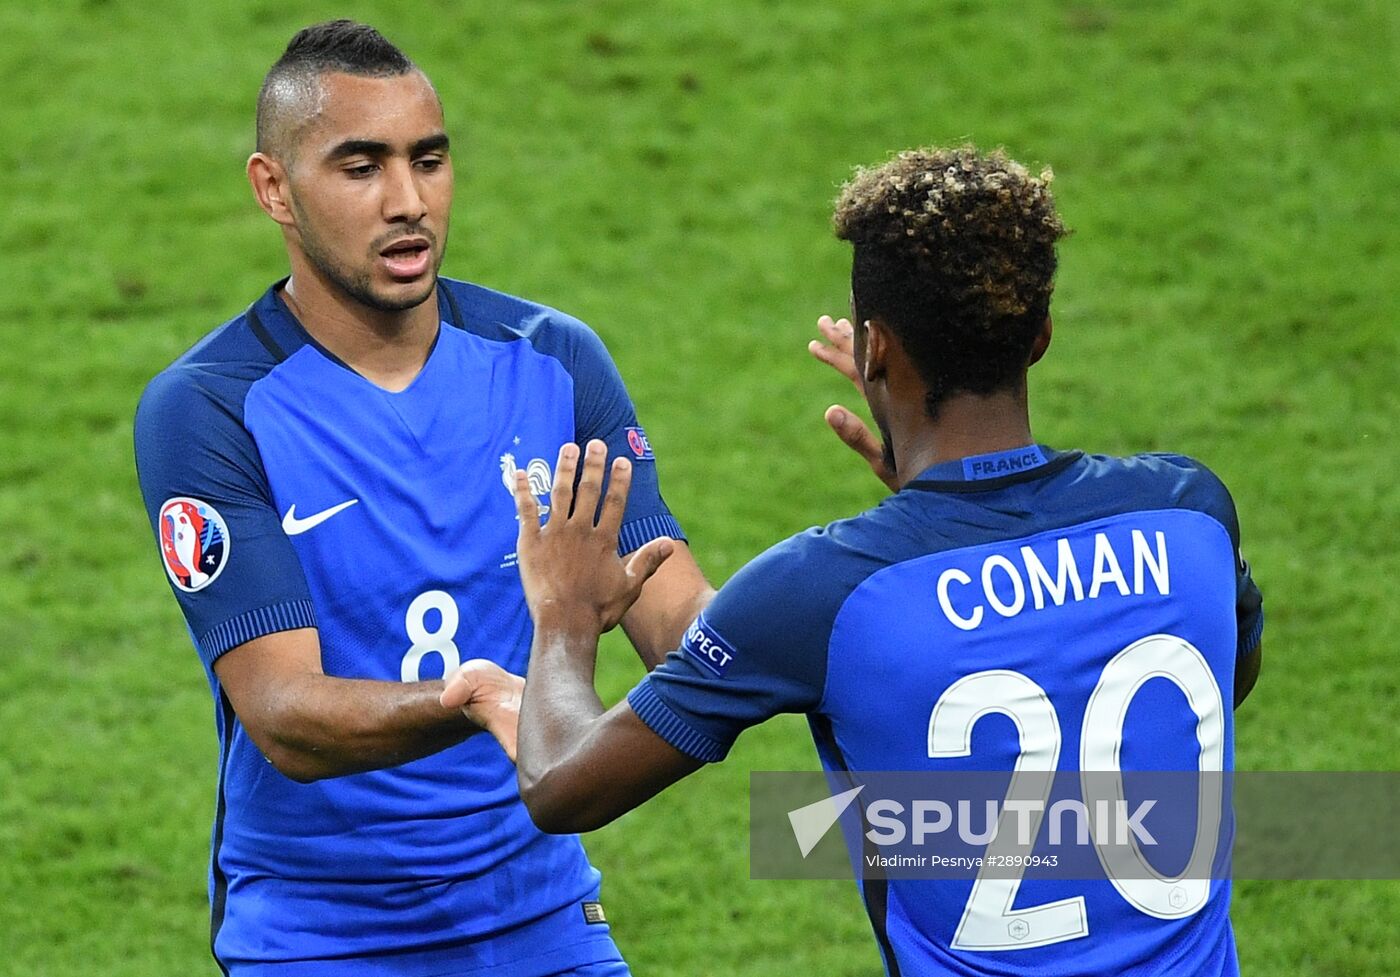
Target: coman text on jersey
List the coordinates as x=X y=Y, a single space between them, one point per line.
x=1009 y=584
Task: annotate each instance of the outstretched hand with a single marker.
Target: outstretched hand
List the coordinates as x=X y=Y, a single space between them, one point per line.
x=569 y=566
x=838 y=353
x=489 y=696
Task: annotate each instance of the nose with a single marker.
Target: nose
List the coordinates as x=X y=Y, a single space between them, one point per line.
x=402 y=201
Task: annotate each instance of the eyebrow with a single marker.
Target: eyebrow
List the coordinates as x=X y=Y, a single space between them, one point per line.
x=437 y=142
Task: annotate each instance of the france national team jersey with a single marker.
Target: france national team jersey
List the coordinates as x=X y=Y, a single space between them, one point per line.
x=287 y=491
x=998 y=604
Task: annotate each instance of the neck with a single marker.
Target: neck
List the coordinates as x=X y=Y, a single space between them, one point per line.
x=388 y=348
x=967 y=424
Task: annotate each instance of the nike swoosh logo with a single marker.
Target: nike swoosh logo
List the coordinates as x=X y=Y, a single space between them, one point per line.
x=293 y=526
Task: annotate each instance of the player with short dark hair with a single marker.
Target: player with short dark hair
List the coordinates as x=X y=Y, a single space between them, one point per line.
x=293 y=80
x=1001 y=577
x=329 y=477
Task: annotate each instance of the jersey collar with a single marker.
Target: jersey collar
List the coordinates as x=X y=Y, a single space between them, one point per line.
x=274 y=325
x=982 y=473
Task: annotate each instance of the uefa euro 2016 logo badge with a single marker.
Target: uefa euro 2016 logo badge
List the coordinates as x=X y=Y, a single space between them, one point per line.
x=639 y=443
x=194 y=542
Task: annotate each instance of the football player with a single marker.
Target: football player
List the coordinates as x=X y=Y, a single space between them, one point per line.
x=329 y=474
x=1001 y=577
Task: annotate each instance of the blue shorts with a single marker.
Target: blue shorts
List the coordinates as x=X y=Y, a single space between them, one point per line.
x=610 y=968
x=564 y=943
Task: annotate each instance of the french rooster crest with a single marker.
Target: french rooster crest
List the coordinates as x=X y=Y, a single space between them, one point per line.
x=537 y=472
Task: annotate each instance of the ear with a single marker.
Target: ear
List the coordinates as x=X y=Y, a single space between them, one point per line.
x=873 y=341
x=269 y=180
x=1042 y=342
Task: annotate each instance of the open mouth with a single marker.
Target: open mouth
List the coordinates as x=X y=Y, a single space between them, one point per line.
x=407 y=258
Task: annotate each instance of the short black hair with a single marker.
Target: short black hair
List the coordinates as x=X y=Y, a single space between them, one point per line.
x=336 y=45
x=955 y=252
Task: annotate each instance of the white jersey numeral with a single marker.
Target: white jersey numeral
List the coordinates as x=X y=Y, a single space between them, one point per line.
x=1100 y=748
x=440 y=641
x=988 y=922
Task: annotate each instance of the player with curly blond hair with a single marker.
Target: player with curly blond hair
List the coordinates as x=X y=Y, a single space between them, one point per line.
x=1097 y=603
x=956 y=239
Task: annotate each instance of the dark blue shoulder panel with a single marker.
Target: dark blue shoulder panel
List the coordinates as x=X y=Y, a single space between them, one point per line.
x=761 y=647
x=1205 y=492
x=1098 y=486
x=207 y=496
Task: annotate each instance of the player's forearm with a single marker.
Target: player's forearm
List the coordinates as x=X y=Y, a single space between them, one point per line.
x=328 y=727
x=668 y=604
x=658 y=636
x=557 y=710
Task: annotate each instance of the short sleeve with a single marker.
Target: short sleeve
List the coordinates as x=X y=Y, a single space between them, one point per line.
x=603 y=410
x=231 y=568
x=1249 y=602
x=1249 y=607
x=758 y=650
x=1208 y=493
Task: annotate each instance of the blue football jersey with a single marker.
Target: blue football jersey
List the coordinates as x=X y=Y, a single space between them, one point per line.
x=1099 y=604
x=287 y=491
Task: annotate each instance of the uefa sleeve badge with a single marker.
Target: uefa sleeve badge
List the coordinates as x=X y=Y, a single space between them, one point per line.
x=639 y=443
x=194 y=542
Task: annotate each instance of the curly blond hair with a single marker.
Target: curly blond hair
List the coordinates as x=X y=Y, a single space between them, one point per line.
x=955 y=252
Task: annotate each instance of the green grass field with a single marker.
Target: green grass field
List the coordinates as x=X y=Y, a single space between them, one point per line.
x=664 y=170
